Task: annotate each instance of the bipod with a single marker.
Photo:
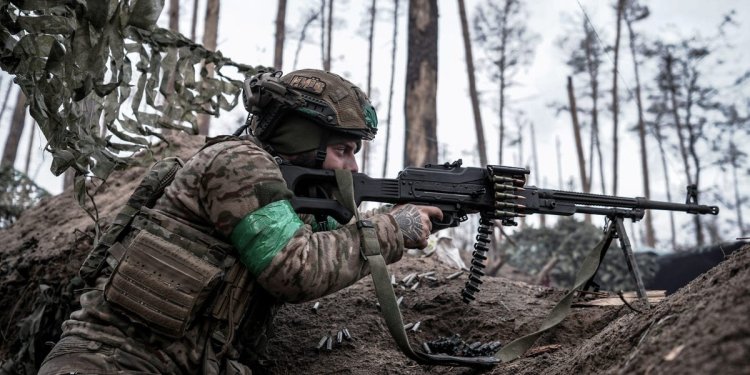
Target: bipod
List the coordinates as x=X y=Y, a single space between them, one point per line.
x=615 y=228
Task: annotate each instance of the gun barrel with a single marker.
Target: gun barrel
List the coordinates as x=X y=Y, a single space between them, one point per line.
x=547 y=201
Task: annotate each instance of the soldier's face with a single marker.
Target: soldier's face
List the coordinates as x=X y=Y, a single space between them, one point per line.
x=341 y=156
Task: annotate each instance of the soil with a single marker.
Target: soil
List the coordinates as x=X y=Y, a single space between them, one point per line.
x=703 y=328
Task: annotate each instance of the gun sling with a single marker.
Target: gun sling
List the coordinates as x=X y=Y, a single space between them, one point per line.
x=384 y=289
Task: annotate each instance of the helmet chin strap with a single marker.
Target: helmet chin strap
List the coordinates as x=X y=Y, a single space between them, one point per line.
x=320 y=153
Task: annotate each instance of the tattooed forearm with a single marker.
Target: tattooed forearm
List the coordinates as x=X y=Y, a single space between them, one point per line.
x=410 y=222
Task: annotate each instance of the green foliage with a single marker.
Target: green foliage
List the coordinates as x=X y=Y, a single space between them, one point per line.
x=75 y=62
x=18 y=194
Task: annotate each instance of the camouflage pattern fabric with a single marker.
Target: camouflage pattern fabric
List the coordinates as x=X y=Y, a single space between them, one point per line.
x=216 y=189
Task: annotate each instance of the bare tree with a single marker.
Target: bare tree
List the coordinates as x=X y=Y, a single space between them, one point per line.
x=633 y=13
x=585 y=59
x=579 y=144
x=537 y=173
x=660 y=108
x=16 y=130
x=559 y=163
x=8 y=93
x=210 y=36
x=615 y=100
x=329 y=27
x=194 y=21
x=278 y=53
x=29 y=149
x=469 y=57
x=420 y=141
x=394 y=44
x=577 y=136
x=594 y=52
x=310 y=18
x=501 y=31
x=326 y=24
x=174 y=15
x=680 y=128
x=323 y=34
x=693 y=104
x=735 y=156
x=370 y=38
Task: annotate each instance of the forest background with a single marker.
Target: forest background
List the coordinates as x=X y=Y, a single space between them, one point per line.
x=692 y=82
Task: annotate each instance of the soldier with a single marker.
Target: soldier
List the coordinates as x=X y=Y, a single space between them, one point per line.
x=192 y=284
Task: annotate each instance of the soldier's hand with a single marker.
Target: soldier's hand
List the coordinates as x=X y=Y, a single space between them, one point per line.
x=415 y=223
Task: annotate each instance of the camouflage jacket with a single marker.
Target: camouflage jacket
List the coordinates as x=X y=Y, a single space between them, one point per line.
x=220 y=186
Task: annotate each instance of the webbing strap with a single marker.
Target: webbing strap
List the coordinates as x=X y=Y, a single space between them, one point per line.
x=384 y=290
x=518 y=347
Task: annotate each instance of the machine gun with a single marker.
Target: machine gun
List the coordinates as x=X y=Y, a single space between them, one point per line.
x=496 y=193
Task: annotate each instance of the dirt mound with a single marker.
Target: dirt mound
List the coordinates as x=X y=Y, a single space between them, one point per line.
x=41 y=255
x=702 y=328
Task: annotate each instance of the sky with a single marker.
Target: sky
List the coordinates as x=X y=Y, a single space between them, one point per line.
x=246 y=34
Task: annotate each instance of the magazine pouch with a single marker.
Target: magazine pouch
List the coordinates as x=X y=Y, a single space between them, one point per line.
x=159 y=283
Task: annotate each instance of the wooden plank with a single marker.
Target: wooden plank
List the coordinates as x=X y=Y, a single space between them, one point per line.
x=654 y=296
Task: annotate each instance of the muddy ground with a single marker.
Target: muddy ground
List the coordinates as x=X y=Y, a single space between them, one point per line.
x=703 y=328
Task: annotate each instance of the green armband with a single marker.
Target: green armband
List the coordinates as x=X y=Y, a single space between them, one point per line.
x=259 y=236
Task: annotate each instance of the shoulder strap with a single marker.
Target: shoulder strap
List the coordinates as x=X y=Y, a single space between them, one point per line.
x=146 y=194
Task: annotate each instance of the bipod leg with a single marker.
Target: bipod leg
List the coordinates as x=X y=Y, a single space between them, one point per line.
x=627 y=250
x=610 y=232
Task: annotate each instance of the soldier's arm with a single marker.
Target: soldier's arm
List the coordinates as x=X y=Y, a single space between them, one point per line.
x=245 y=196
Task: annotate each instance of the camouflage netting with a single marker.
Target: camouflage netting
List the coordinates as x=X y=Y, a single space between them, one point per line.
x=569 y=241
x=17 y=193
x=103 y=81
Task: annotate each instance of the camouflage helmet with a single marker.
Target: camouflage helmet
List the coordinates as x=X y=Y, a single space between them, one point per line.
x=326 y=98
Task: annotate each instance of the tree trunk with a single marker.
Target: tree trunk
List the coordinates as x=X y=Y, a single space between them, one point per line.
x=174 y=15
x=278 y=53
x=615 y=99
x=329 y=26
x=302 y=36
x=370 y=38
x=174 y=25
x=420 y=144
x=323 y=34
x=662 y=152
x=210 y=36
x=577 y=135
x=733 y=152
x=366 y=145
x=8 y=92
x=650 y=235
x=501 y=72
x=579 y=144
x=194 y=22
x=28 y=151
x=478 y=127
x=535 y=158
x=559 y=164
x=693 y=134
x=16 y=130
x=595 y=142
x=390 y=87
x=672 y=86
